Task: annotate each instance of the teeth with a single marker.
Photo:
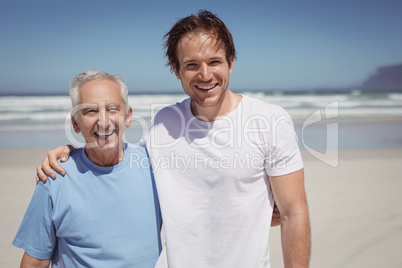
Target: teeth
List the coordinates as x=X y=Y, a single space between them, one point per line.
x=207 y=87
x=105 y=134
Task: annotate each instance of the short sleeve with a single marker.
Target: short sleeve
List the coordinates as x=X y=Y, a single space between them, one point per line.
x=284 y=156
x=36 y=234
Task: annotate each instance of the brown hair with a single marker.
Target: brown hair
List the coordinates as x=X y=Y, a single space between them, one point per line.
x=204 y=21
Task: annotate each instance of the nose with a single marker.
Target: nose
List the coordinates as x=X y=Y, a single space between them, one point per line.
x=204 y=73
x=103 y=120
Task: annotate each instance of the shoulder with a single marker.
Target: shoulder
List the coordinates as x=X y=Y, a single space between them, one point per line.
x=173 y=111
x=136 y=149
x=253 y=105
x=73 y=160
x=70 y=166
x=168 y=122
x=137 y=153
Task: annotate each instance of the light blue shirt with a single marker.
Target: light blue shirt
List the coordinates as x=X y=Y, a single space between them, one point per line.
x=95 y=216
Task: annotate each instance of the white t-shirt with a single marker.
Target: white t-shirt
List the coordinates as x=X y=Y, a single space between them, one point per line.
x=212 y=182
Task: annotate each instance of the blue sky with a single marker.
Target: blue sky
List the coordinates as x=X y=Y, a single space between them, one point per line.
x=280 y=44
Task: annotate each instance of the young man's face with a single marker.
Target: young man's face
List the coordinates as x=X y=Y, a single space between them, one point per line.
x=204 y=70
x=102 y=116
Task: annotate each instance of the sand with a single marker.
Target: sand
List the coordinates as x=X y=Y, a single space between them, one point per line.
x=355 y=208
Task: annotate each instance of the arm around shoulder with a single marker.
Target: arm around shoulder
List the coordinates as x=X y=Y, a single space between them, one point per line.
x=50 y=162
x=290 y=197
x=31 y=262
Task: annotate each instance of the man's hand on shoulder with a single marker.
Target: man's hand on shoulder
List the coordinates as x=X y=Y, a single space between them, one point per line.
x=50 y=164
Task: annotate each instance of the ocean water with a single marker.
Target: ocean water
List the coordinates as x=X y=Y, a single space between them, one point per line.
x=356 y=120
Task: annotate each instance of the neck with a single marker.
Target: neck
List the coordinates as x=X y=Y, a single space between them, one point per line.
x=211 y=113
x=106 y=158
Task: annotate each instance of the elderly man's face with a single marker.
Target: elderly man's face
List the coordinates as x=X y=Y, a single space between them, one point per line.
x=102 y=116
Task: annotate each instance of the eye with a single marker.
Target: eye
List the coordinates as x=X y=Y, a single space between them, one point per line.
x=215 y=62
x=191 y=66
x=114 y=109
x=89 y=112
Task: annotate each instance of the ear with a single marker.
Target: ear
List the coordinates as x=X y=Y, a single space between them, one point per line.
x=129 y=117
x=176 y=72
x=231 y=65
x=75 y=124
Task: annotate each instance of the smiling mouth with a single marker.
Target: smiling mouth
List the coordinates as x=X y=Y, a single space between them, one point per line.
x=105 y=135
x=206 y=88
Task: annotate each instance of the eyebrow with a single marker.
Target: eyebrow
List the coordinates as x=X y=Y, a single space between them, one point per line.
x=211 y=59
x=216 y=58
x=189 y=61
x=89 y=106
x=113 y=105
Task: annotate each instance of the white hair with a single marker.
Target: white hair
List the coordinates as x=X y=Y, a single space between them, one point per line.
x=87 y=76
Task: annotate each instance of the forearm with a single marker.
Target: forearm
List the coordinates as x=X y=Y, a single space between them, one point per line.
x=31 y=262
x=296 y=239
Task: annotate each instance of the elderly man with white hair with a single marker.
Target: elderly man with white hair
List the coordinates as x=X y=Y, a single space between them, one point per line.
x=104 y=212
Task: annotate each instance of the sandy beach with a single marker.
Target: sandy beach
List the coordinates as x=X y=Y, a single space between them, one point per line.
x=355 y=210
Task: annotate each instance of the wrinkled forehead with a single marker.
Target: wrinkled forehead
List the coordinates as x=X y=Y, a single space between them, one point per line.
x=100 y=92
